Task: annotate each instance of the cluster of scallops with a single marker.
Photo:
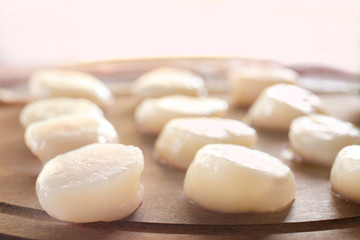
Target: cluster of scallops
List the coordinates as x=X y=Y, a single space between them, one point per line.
x=88 y=176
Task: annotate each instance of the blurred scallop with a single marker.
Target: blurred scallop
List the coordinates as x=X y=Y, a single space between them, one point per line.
x=248 y=81
x=51 y=137
x=181 y=138
x=152 y=114
x=278 y=105
x=318 y=138
x=166 y=81
x=54 y=107
x=67 y=83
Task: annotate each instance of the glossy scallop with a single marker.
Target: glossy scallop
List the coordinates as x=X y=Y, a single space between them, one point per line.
x=181 y=138
x=278 y=105
x=248 y=81
x=152 y=114
x=318 y=138
x=235 y=179
x=54 y=107
x=67 y=83
x=98 y=182
x=169 y=81
x=48 y=138
x=345 y=173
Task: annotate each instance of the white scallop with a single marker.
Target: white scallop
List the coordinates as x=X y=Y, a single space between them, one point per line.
x=98 y=182
x=50 y=137
x=318 y=138
x=278 y=105
x=54 y=107
x=247 y=82
x=234 y=179
x=67 y=83
x=181 y=138
x=152 y=114
x=345 y=173
x=169 y=81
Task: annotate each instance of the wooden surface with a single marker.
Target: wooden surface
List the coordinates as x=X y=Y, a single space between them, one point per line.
x=165 y=211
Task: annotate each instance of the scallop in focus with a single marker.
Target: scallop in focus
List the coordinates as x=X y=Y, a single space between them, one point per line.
x=153 y=113
x=98 y=182
x=50 y=137
x=54 y=107
x=166 y=81
x=318 y=138
x=236 y=179
x=181 y=138
x=345 y=173
x=278 y=105
x=247 y=82
x=67 y=83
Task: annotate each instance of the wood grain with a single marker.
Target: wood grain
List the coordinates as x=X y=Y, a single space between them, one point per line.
x=165 y=211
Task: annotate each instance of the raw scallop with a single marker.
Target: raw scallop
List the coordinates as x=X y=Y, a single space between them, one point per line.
x=235 y=179
x=181 y=138
x=278 y=105
x=54 y=107
x=345 y=173
x=53 y=136
x=153 y=113
x=98 y=182
x=318 y=138
x=166 y=81
x=248 y=81
x=67 y=83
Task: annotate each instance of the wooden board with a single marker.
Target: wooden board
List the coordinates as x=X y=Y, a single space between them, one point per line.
x=165 y=209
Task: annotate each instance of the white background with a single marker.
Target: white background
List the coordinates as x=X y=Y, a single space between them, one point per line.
x=39 y=32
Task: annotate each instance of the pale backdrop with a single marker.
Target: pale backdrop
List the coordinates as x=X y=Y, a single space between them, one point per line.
x=47 y=32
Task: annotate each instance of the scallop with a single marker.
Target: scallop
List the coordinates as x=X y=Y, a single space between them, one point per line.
x=169 y=81
x=181 y=138
x=67 y=83
x=98 y=182
x=236 y=179
x=50 y=137
x=318 y=138
x=152 y=114
x=278 y=105
x=247 y=82
x=54 y=107
x=345 y=173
